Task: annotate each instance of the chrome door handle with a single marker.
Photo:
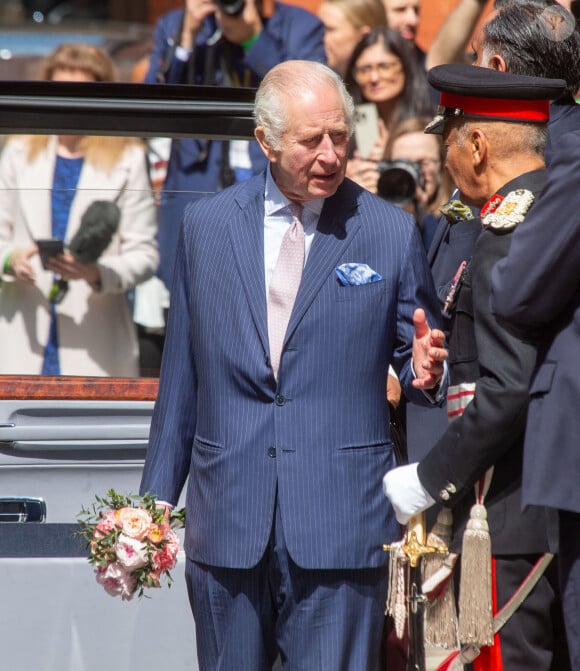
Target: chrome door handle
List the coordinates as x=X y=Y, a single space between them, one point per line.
x=22 y=509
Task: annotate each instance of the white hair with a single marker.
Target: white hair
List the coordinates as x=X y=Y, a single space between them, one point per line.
x=289 y=80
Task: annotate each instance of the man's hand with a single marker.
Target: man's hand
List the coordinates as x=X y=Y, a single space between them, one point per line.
x=429 y=353
x=240 y=28
x=408 y=496
x=165 y=508
x=195 y=12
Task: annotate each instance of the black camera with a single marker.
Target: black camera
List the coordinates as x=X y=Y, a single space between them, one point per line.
x=398 y=180
x=231 y=7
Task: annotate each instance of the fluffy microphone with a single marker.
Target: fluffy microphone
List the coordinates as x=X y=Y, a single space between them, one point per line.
x=98 y=224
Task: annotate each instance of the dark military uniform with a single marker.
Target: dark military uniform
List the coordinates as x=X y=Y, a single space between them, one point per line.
x=491 y=432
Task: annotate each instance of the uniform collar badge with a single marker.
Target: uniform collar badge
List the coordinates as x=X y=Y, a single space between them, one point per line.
x=504 y=214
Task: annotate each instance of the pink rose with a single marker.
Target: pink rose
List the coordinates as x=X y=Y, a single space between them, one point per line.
x=131 y=553
x=165 y=558
x=172 y=542
x=105 y=525
x=135 y=522
x=117 y=581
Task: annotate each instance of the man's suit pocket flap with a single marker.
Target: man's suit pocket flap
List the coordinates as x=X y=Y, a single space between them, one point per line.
x=357 y=291
x=208 y=444
x=378 y=446
x=542 y=382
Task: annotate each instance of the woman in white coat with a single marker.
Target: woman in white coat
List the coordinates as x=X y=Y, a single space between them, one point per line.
x=46 y=185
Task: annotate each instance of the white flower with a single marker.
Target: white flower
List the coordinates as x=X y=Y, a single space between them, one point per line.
x=131 y=553
x=117 y=581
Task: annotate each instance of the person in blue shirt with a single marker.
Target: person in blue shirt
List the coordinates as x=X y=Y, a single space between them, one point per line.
x=232 y=43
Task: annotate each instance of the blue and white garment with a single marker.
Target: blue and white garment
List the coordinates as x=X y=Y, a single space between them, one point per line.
x=356 y=273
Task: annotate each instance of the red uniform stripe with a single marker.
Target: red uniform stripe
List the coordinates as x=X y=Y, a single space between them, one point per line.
x=490 y=656
x=520 y=110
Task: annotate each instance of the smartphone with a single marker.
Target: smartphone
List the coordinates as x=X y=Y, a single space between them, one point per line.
x=366 y=128
x=48 y=248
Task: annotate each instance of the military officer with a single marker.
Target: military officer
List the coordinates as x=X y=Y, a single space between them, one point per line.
x=494 y=131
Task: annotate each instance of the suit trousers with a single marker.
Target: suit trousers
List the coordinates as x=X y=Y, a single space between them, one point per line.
x=569 y=564
x=315 y=620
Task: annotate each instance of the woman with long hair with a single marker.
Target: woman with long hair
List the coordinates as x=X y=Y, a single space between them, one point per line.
x=70 y=315
x=383 y=71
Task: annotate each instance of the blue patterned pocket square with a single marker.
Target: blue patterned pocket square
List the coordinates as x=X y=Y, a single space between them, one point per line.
x=353 y=274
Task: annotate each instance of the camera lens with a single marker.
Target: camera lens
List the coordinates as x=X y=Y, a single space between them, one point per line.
x=398 y=180
x=231 y=7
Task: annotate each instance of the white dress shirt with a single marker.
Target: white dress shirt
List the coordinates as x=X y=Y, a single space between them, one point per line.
x=277 y=220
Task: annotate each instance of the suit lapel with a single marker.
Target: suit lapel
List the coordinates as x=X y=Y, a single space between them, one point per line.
x=440 y=232
x=247 y=235
x=337 y=227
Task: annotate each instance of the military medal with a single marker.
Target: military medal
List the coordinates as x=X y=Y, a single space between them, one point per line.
x=456 y=283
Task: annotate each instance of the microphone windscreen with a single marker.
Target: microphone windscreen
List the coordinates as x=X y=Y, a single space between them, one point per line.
x=98 y=225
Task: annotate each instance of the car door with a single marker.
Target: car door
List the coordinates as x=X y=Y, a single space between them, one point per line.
x=64 y=440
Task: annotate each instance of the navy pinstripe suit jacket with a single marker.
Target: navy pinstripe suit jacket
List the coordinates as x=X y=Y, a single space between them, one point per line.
x=319 y=438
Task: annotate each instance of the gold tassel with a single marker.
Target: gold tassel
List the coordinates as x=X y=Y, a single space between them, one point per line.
x=441 y=613
x=396 y=606
x=475 y=589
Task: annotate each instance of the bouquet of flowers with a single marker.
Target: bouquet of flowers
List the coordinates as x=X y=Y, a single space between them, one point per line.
x=132 y=542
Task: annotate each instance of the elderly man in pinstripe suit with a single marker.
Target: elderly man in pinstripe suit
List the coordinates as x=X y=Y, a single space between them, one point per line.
x=284 y=453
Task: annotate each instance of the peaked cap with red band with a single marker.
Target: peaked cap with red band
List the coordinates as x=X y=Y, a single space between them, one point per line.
x=481 y=93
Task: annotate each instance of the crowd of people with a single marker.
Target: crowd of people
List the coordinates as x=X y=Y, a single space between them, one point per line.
x=324 y=277
x=192 y=45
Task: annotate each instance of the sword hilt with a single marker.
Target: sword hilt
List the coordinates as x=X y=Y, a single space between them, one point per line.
x=414 y=545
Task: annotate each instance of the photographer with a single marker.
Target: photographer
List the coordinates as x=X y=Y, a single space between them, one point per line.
x=222 y=43
x=412 y=174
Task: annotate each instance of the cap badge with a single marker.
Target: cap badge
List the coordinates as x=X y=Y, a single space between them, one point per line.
x=435 y=122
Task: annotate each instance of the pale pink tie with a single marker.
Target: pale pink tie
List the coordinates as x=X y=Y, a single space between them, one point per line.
x=284 y=285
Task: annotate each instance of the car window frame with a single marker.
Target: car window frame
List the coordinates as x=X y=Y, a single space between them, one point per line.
x=116 y=109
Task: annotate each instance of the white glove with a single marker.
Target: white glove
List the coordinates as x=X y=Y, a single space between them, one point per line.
x=408 y=496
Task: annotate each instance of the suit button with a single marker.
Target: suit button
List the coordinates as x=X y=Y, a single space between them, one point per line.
x=280 y=400
x=272 y=452
x=444 y=494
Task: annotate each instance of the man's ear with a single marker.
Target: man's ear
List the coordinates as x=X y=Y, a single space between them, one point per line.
x=478 y=144
x=260 y=136
x=496 y=62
